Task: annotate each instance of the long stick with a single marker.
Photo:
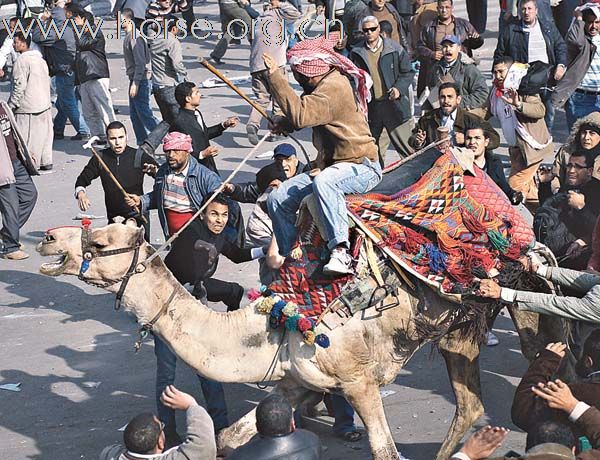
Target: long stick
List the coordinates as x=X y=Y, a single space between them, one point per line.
x=215 y=193
x=113 y=178
x=254 y=105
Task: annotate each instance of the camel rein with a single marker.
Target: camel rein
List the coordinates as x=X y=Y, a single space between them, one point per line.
x=89 y=253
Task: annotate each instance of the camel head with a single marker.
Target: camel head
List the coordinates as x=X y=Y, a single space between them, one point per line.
x=95 y=263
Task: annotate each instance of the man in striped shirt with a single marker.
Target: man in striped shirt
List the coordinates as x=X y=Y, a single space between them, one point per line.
x=181 y=186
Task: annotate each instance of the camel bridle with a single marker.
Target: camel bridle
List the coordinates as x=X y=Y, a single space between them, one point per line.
x=89 y=253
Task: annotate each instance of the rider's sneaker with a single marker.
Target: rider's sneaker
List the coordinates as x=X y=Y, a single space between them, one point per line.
x=339 y=263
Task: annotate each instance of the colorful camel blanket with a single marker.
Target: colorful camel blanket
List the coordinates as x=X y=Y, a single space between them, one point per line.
x=449 y=228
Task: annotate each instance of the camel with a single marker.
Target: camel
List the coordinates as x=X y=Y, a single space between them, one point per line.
x=238 y=347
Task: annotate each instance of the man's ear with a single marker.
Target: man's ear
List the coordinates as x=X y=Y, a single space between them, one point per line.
x=160 y=443
x=589 y=362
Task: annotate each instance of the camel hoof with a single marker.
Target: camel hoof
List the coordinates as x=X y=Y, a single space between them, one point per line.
x=388 y=452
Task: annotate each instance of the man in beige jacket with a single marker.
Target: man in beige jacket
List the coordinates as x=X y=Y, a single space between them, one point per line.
x=30 y=101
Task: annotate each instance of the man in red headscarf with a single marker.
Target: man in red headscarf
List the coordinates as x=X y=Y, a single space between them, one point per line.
x=347 y=154
x=181 y=186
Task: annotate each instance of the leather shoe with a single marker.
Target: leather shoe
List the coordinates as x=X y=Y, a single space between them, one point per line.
x=15 y=255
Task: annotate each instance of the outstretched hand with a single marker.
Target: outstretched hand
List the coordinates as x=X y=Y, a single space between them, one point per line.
x=483 y=443
x=175 y=399
x=270 y=63
x=489 y=289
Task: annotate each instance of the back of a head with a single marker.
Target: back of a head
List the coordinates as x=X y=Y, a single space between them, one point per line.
x=550 y=432
x=141 y=434
x=274 y=416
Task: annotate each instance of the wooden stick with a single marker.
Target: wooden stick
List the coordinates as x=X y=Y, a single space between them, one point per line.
x=215 y=193
x=254 y=105
x=239 y=92
x=113 y=178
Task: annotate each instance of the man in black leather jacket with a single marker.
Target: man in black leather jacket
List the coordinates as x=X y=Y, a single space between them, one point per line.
x=277 y=436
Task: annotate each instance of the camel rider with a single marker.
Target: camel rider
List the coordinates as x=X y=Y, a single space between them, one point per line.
x=579 y=309
x=214 y=241
x=180 y=188
x=120 y=159
x=347 y=154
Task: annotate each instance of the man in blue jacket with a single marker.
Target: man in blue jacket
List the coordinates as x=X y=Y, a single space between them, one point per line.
x=180 y=187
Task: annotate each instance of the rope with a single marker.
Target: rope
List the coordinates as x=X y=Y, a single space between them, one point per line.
x=173 y=237
x=271 y=369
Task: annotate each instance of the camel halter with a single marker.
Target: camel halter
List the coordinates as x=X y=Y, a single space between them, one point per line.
x=89 y=252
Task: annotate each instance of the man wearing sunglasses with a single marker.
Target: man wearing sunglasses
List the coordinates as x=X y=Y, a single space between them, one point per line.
x=144 y=436
x=389 y=66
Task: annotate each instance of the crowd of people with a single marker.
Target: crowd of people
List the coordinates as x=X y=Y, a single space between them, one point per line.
x=359 y=94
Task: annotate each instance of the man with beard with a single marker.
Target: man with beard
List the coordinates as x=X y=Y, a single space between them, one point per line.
x=522 y=120
x=451 y=116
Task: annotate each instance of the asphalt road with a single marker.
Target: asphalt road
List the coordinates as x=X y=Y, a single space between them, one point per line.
x=73 y=355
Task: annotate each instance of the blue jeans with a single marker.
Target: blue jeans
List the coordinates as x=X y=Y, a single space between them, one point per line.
x=343 y=415
x=580 y=105
x=67 y=106
x=546 y=96
x=329 y=188
x=166 y=364
x=142 y=119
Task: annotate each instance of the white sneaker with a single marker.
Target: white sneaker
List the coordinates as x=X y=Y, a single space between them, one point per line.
x=339 y=263
x=491 y=340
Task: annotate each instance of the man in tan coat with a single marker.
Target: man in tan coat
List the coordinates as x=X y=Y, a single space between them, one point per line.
x=347 y=154
x=30 y=101
x=522 y=120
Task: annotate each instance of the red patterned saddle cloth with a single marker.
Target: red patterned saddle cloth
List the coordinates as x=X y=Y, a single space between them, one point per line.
x=445 y=229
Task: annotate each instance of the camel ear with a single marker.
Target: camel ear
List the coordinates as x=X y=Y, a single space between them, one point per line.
x=99 y=238
x=131 y=223
x=118 y=219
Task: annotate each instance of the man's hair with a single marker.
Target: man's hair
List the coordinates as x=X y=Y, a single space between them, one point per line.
x=75 y=9
x=23 y=38
x=591 y=348
x=589 y=163
x=141 y=434
x=171 y=20
x=274 y=416
x=550 y=432
x=507 y=60
x=219 y=199
x=522 y=2
x=471 y=123
x=127 y=13
x=368 y=19
x=386 y=28
x=115 y=125
x=442 y=1
x=183 y=90
x=449 y=84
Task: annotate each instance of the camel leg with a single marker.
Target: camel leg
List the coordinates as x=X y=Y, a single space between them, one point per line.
x=367 y=402
x=244 y=429
x=462 y=363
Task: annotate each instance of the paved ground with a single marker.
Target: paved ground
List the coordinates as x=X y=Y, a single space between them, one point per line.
x=73 y=354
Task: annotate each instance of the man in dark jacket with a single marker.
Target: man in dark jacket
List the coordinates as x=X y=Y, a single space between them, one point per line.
x=214 y=239
x=92 y=76
x=120 y=159
x=429 y=47
x=532 y=39
x=456 y=66
x=477 y=140
x=190 y=121
x=60 y=51
x=579 y=90
x=576 y=206
x=277 y=435
x=391 y=71
x=285 y=155
x=451 y=116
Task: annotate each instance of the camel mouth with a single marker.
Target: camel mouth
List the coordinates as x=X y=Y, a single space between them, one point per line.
x=55 y=268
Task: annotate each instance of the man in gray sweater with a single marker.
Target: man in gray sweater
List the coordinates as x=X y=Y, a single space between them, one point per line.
x=30 y=101
x=167 y=68
x=144 y=437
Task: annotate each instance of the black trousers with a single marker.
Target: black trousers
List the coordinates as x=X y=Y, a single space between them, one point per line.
x=167 y=104
x=16 y=205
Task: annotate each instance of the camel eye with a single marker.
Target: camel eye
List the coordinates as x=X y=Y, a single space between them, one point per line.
x=99 y=245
